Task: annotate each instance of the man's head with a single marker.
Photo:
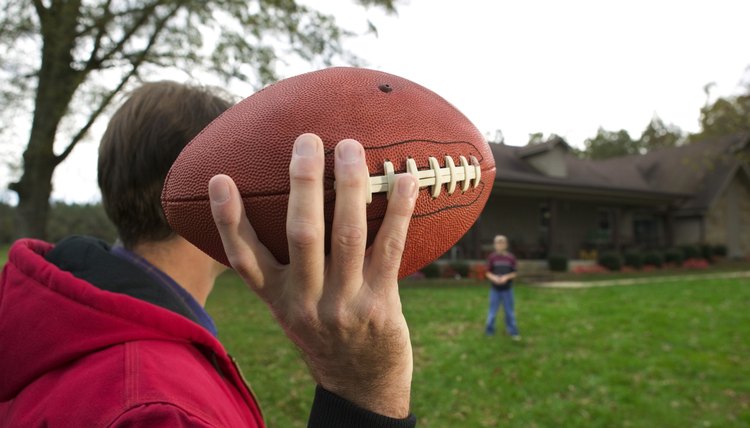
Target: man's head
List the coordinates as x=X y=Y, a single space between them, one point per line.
x=141 y=142
x=501 y=243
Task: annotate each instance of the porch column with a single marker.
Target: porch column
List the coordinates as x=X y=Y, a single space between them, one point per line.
x=554 y=222
x=616 y=228
x=669 y=227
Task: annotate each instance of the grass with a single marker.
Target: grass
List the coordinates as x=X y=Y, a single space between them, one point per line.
x=3 y=255
x=654 y=355
x=661 y=354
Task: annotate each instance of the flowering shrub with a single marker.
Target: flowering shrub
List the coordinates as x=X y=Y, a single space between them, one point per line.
x=416 y=276
x=478 y=271
x=584 y=269
x=448 y=272
x=695 y=263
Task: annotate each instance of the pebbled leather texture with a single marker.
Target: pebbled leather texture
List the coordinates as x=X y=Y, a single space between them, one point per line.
x=392 y=117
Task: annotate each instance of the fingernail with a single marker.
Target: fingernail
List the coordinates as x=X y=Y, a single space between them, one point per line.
x=306 y=145
x=218 y=191
x=349 y=151
x=407 y=186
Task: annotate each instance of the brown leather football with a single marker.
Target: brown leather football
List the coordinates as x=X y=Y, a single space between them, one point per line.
x=403 y=127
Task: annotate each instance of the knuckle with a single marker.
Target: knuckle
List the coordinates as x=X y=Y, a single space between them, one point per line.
x=347 y=235
x=224 y=219
x=335 y=317
x=303 y=234
x=242 y=264
x=350 y=177
x=393 y=246
x=304 y=171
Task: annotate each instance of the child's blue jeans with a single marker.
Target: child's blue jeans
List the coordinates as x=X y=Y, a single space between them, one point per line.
x=504 y=297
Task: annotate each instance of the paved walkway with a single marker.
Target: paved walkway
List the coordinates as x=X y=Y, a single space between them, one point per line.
x=634 y=281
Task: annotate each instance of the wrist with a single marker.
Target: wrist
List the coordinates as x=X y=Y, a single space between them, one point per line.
x=388 y=398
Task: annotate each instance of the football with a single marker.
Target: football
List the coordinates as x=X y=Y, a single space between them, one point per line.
x=404 y=128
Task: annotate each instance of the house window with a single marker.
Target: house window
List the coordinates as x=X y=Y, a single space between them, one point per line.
x=646 y=231
x=605 y=220
x=544 y=216
x=605 y=224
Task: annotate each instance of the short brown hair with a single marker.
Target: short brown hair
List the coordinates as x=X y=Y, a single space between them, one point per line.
x=141 y=142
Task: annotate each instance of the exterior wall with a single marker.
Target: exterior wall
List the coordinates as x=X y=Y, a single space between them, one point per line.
x=550 y=163
x=687 y=231
x=575 y=226
x=728 y=220
x=517 y=218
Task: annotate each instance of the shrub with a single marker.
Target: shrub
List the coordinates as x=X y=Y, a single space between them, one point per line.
x=557 y=263
x=585 y=269
x=634 y=259
x=695 y=263
x=652 y=258
x=674 y=256
x=690 y=252
x=611 y=261
x=478 y=271
x=432 y=270
x=719 y=250
x=707 y=252
x=460 y=268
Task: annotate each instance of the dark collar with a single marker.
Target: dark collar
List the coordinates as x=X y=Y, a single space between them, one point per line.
x=90 y=259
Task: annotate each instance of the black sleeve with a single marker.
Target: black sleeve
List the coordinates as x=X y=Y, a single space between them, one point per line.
x=331 y=411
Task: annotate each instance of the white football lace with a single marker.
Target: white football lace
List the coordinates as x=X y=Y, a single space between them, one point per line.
x=466 y=173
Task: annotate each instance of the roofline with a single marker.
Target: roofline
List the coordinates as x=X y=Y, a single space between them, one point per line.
x=603 y=190
x=535 y=149
x=728 y=179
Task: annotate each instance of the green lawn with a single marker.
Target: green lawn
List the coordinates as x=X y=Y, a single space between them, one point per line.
x=3 y=255
x=656 y=355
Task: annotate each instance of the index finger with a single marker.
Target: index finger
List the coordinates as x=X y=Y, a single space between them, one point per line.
x=245 y=253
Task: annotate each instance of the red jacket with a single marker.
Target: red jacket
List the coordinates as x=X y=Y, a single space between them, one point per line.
x=72 y=354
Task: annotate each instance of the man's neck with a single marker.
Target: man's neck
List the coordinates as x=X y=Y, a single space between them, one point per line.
x=184 y=263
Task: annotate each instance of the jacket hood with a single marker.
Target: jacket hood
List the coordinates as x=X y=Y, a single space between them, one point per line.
x=50 y=317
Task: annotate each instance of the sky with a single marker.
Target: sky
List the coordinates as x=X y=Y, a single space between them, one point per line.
x=532 y=66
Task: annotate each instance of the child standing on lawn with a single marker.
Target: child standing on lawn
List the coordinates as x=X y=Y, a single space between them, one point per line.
x=501 y=270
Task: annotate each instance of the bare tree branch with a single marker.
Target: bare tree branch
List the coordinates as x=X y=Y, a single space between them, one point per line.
x=136 y=64
x=101 y=26
x=94 y=63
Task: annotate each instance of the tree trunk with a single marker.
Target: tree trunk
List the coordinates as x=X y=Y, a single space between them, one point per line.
x=57 y=82
x=33 y=190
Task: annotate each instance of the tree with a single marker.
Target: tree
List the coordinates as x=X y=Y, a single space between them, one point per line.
x=725 y=116
x=609 y=144
x=538 y=138
x=659 y=135
x=92 y=50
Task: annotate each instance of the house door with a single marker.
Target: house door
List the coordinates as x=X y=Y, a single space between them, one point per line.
x=734 y=225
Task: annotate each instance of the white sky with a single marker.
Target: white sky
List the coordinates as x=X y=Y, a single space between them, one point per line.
x=527 y=66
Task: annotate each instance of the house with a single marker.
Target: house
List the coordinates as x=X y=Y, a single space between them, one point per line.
x=548 y=201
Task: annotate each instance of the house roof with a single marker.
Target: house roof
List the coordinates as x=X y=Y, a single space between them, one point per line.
x=700 y=169
x=690 y=175
x=534 y=149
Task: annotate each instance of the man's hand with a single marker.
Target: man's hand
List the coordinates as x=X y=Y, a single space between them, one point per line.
x=343 y=311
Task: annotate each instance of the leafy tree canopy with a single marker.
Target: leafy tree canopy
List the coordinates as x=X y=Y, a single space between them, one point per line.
x=67 y=60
